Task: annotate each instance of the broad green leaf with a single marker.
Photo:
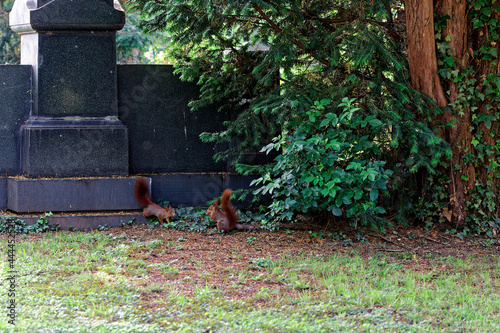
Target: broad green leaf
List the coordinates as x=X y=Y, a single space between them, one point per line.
x=337 y=211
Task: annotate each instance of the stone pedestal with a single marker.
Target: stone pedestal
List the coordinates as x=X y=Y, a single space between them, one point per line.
x=73 y=128
x=71 y=148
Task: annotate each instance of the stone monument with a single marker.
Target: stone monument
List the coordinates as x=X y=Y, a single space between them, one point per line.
x=73 y=127
x=73 y=121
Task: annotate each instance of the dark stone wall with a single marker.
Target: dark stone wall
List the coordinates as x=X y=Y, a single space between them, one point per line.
x=163 y=132
x=163 y=143
x=15 y=97
x=195 y=189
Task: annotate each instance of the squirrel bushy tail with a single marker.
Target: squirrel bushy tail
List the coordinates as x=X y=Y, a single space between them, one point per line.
x=227 y=220
x=141 y=192
x=232 y=215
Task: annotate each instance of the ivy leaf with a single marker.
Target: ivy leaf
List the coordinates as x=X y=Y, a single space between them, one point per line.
x=476 y=23
x=449 y=61
x=486 y=11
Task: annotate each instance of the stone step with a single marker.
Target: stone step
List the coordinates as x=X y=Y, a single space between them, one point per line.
x=90 y=194
x=85 y=222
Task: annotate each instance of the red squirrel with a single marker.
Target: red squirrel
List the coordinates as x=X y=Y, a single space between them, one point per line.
x=227 y=220
x=141 y=193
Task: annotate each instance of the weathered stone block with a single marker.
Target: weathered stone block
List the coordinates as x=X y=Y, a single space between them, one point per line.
x=71 y=194
x=66 y=148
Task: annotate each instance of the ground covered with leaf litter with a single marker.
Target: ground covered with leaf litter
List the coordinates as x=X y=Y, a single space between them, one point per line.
x=213 y=259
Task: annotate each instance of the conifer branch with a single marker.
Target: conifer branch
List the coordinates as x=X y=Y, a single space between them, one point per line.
x=294 y=41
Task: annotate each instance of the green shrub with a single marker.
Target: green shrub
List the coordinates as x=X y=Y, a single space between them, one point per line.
x=327 y=163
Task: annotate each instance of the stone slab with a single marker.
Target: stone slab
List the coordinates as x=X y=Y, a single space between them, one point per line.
x=86 y=222
x=70 y=194
x=195 y=189
x=15 y=96
x=235 y=181
x=74 y=148
x=163 y=132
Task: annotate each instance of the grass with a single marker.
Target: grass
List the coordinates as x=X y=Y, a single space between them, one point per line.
x=101 y=282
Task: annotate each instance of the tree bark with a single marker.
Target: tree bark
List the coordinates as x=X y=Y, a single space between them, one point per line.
x=422 y=58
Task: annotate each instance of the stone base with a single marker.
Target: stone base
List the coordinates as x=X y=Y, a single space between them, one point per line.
x=85 y=222
x=74 y=147
x=39 y=195
x=70 y=194
x=87 y=203
x=195 y=189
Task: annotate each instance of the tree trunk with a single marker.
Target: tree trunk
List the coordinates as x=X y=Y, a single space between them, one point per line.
x=422 y=60
x=422 y=49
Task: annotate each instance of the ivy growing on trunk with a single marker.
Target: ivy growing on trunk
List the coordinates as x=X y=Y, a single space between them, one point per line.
x=460 y=71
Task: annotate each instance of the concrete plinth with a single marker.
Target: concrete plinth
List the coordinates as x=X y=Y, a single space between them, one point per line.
x=86 y=222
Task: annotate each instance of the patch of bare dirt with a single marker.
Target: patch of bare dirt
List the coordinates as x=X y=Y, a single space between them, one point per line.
x=201 y=259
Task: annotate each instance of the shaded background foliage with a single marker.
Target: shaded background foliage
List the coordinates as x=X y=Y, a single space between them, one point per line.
x=9 y=40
